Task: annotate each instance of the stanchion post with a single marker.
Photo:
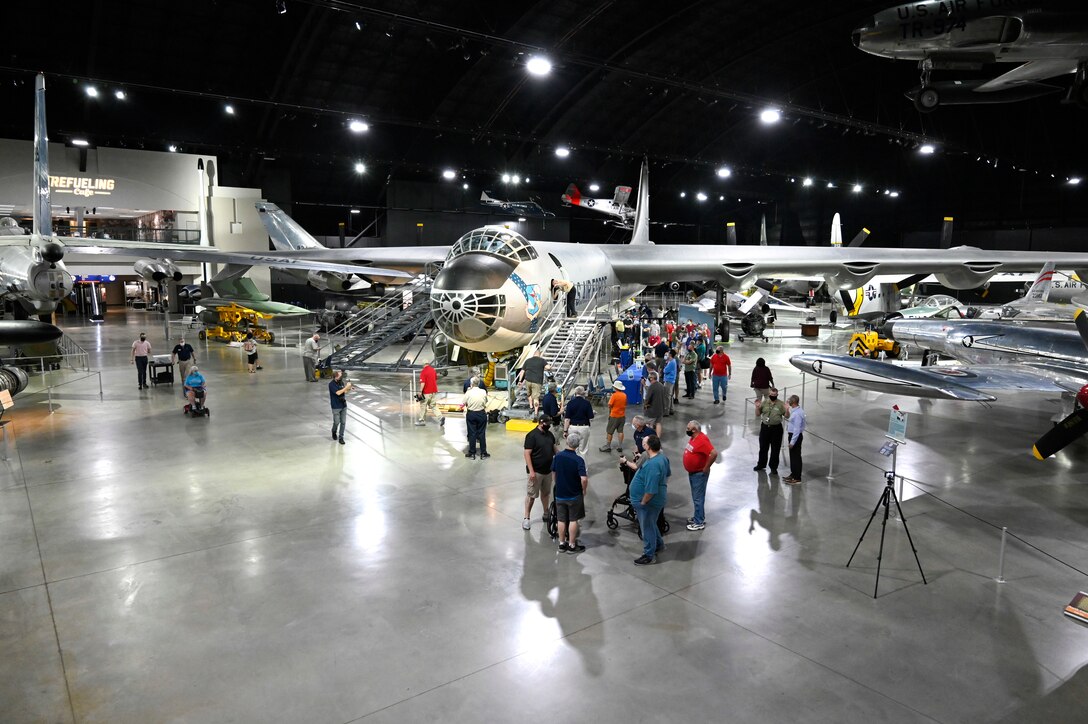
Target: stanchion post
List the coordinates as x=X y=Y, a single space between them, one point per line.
x=1001 y=556
x=99 y=386
x=49 y=391
x=802 y=389
x=831 y=464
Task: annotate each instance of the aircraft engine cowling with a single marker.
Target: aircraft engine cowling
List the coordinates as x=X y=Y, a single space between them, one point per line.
x=852 y=275
x=970 y=276
x=735 y=277
x=328 y=281
x=157 y=270
x=13 y=379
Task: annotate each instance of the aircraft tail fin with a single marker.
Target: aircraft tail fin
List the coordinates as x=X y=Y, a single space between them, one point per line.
x=836 y=230
x=284 y=231
x=43 y=215
x=1039 y=292
x=641 y=234
x=946 y=233
x=731 y=233
x=763 y=230
x=484 y=198
x=572 y=196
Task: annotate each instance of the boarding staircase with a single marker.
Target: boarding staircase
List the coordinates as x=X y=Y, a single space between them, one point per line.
x=569 y=343
x=403 y=312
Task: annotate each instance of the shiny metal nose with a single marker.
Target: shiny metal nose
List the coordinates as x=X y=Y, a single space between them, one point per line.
x=855 y=37
x=468 y=316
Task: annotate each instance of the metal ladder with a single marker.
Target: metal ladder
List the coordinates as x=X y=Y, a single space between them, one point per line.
x=403 y=312
x=574 y=342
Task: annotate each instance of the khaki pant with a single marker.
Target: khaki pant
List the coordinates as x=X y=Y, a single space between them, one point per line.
x=430 y=403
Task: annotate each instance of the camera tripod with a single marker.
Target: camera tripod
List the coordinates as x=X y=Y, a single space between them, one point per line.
x=887 y=497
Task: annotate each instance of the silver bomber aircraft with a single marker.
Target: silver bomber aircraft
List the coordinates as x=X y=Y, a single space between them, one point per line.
x=997 y=356
x=32 y=271
x=495 y=283
x=1045 y=38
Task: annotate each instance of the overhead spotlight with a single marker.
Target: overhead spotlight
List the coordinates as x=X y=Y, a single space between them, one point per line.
x=700 y=196
x=356 y=211
x=521 y=219
x=92 y=91
x=119 y=95
x=358 y=25
x=721 y=198
x=1073 y=180
x=464 y=186
x=360 y=167
x=538 y=65
x=357 y=126
x=526 y=179
x=894 y=194
x=81 y=142
x=807 y=182
x=172 y=148
x=831 y=184
x=770 y=115
x=562 y=151
x=683 y=194
x=594 y=188
x=857 y=188
x=515 y=179
x=927 y=149
x=724 y=172
x=449 y=174
x=281 y=7
x=229 y=109
x=506 y=178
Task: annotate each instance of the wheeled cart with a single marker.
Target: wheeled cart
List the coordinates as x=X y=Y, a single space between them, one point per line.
x=161 y=372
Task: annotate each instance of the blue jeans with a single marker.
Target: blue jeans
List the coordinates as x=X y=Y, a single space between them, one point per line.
x=698 y=494
x=339 y=420
x=647 y=523
x=720 y=381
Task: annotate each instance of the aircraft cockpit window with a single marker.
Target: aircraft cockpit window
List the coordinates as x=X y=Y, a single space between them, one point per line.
x=497 y=240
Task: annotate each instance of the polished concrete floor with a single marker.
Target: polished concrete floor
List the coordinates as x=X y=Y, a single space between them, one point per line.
x=246 y=568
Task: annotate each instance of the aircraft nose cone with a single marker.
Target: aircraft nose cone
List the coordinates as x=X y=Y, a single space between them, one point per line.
x=855 y=38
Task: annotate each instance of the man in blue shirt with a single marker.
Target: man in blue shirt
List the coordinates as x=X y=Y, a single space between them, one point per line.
x=578 y=413
x=668 y=378
x=571 y=482
x=648 y=492
x=338 y=401
x=195 y=386
x=549 y=404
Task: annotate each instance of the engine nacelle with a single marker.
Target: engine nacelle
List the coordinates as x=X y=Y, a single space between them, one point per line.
x=969 y=276
x=328 y=281
x=157 y=270
x=852 y=275
x=13 y=379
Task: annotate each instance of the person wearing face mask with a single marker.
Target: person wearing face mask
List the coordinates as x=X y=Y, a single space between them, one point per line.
x=141 y=351
x=699 y=455
x=539 y=453
x=771 y=412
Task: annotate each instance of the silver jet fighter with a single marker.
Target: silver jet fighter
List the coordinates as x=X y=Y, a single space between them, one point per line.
x=1046 y=39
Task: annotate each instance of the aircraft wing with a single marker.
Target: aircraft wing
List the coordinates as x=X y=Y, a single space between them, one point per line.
x=305 y=260
x=1030 y=72
x=739 y=266
x=974 y=383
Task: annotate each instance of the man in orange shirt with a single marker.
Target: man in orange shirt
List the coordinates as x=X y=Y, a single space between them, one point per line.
x=617 y=417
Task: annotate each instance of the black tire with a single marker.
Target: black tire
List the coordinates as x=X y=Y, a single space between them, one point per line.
x=663 y=526
x=612 y=522
x=927 y=99
x=202 y=335
x=553 y=523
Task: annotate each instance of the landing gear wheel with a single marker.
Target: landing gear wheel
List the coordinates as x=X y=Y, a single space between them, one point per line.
x=202 y=335
x=927 y=99
x=612 y=523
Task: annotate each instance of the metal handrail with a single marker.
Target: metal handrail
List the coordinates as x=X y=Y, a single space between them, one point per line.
x=374 y=313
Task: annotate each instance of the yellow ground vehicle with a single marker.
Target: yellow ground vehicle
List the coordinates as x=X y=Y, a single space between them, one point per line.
x=870 y=344
x=230 y=323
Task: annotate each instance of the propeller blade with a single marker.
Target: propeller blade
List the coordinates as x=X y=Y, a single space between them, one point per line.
x=1080 y=319
x=1061 y=434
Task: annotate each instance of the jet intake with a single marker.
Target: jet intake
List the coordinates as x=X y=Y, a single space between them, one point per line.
x=328 y=281
x=157 y=270
x=13 y=379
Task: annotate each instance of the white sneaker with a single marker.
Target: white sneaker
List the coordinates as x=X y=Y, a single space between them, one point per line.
x=525 y=523
x=420 y=423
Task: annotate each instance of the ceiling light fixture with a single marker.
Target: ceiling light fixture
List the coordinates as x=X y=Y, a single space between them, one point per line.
x=119 y=95
x=281 y=7
x=894 y=194
x=927 y=149
x=356 y=211
x=831 y=184
x=515 y=179
x=594 y=188
x=464 y=186
x=724 y=172
x=360 y=167
x=521 y=219
x=700 y=196
x=538 y=65
x=229 y=109
x=358 y=126
x=449 y=174
x=683 y=194
x=1074 y=180
x=82 y=142
x=562 y=151
x=857 y=188
x=807 y=182
x=770 y=115
x=92 y=91
x=172 y=148
x=506 y=178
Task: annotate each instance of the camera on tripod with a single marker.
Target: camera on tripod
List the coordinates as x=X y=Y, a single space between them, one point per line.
x=889 y=477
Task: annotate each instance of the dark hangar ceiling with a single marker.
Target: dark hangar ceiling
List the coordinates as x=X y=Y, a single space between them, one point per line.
x=443 y=85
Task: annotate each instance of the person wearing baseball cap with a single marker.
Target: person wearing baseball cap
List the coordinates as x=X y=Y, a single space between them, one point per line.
x=617 y=417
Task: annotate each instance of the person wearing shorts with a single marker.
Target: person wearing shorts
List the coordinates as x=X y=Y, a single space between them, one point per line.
x=617 y=417
x=250 y=347
x=539 y=454
x=532 y=374
x=571 y=482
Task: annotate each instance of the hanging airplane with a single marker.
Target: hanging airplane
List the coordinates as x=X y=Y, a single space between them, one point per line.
x=514 y=208
x=1047 y=39
x=32 y=271
x=616 y=206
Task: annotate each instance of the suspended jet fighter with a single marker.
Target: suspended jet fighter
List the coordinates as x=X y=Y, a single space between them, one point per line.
x=1047 y=40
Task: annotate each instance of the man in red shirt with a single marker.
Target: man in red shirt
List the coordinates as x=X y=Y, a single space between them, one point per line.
x=428 y=387
x=721 y=369
x=699 y=455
